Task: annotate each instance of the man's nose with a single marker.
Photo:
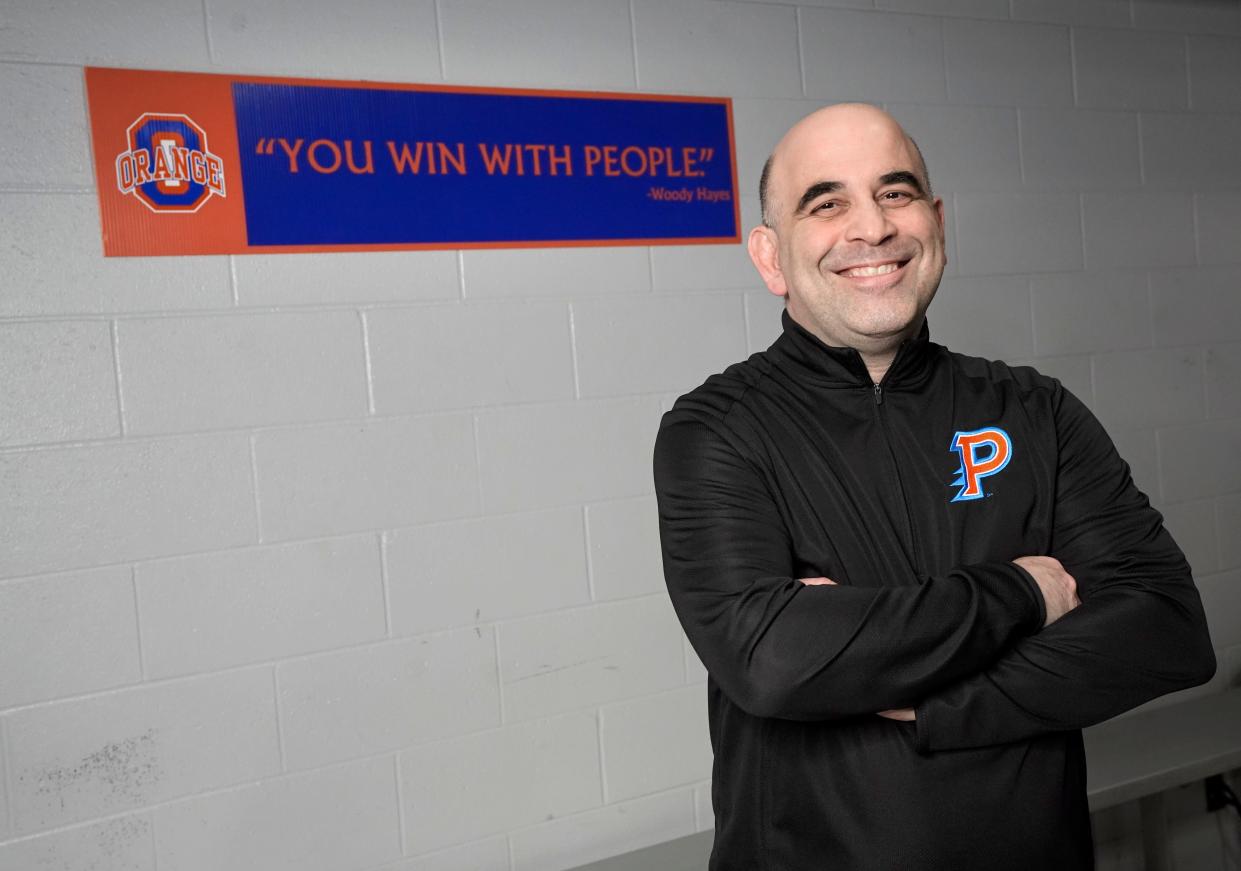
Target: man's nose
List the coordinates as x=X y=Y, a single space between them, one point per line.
x=868 y=222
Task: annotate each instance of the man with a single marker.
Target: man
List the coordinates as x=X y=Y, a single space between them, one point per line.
x=913 y=576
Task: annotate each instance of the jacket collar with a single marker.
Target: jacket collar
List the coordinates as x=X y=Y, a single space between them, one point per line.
x=810 y=357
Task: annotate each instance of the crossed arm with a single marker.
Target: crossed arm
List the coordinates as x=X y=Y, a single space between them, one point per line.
x=1140 y=631
x=974 y=651
x=1058 y=588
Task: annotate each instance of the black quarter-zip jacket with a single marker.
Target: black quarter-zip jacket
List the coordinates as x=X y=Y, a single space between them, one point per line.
x=794 y=464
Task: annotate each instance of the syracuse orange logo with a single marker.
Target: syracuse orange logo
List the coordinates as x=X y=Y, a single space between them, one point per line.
x=975 y=467
x=167 y=165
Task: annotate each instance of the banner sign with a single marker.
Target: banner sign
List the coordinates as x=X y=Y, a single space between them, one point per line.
x=195 y=163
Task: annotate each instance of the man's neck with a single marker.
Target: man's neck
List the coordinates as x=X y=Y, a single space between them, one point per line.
x=878 y=369
x=878 y=360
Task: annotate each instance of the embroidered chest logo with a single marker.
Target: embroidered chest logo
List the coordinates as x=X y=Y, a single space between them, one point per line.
x=983 y=452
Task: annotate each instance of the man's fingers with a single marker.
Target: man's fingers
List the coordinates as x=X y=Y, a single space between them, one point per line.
x=904 y=714
x=816 y=582
x=1059 y=588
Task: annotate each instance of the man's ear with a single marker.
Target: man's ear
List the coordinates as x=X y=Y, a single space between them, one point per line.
x=938 y=205
x=764 y=250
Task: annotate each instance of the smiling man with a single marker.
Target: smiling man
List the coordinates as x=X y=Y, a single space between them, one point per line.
x=857 y=255
x=913 y=576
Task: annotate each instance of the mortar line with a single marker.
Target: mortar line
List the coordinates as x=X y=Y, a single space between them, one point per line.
x=603 y=771
x=577 y=383
x=133 y=581
x=590 y=565
x=325 y=423
x=280 y=659
x=1189 y=77
x=275 y=693
x=207 y=32
x=368 y=364
x=801 y=54
x=116 y=373
x=439 y=39
x=254 y=482
x=633 y=44
x=232 y=280
x=495 y=645
x=147 y=811
x=1163 y=501
x=383 y=579
x=39 y=62
x=1073 y=66
x=478 y=467
x=400 y=799
x=326 y=537
x=45 y=189
x=278 y=777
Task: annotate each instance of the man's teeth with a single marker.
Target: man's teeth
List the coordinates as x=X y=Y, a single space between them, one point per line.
x=859 y=271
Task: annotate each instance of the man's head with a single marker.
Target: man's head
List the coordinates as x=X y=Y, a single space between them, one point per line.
x=852 y=236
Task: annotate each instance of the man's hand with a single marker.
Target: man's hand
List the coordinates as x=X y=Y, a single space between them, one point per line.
x=1059 y=588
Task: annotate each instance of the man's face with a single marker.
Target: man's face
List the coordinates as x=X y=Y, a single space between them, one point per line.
x=856 y=242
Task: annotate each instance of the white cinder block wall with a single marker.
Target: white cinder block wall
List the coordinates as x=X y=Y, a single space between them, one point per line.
x=349 y=562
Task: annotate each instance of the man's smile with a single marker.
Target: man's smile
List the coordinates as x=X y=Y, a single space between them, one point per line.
x=875 y=274
x=871 y=269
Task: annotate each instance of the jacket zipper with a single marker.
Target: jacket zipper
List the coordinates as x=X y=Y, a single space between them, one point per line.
x=900 y=488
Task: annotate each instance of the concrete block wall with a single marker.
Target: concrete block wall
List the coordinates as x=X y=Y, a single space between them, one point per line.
x=348 y=562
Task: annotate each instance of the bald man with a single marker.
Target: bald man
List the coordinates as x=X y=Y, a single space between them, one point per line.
x=913 y=576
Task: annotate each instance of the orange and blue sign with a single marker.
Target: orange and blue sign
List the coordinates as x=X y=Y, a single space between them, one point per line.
x=197 y=163
x=983 y=452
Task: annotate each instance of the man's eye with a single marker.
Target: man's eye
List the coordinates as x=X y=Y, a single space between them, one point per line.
x=897 y=196
x=829 y=206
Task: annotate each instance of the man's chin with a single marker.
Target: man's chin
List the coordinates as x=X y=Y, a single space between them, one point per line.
x=880 y=334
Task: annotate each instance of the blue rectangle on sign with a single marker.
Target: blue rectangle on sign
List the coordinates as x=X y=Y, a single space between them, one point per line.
x=329 y=166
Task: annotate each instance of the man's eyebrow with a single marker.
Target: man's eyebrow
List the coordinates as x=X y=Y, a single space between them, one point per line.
x=817 y=190
x=902 y=176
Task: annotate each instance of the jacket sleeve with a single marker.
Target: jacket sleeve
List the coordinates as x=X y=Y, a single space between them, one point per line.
x=1140 y=631
x=780 y=648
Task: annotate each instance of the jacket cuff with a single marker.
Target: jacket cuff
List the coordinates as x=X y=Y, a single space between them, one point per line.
x=922 y=730
x=1036 y=593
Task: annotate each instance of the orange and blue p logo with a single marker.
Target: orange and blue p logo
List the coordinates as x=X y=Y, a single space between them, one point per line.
x=975 y=465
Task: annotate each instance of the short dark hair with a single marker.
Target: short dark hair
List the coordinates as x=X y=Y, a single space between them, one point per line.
x=764 y=181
